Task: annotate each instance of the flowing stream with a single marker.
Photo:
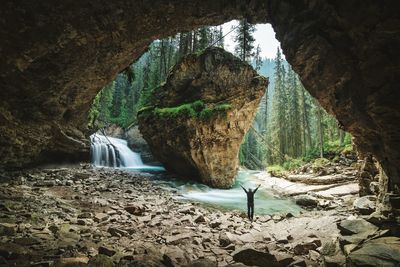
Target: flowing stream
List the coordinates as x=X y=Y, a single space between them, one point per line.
x=265 y=202
x=114 y=152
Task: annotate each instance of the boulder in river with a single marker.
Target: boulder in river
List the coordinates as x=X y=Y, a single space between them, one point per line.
x=195 y=122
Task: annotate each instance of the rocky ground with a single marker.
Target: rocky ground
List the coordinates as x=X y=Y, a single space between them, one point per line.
x=79 y=216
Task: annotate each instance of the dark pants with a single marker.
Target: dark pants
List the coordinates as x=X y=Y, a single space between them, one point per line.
x=250 y=211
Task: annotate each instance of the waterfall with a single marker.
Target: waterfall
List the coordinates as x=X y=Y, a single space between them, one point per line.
x=113 y=152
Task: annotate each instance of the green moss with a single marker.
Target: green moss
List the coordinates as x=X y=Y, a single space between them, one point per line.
x=277 y=171
x=319 y=164
x=184 y=110
x=207 y=113
x=292 y=164
x=348 y=149
x=196 y=109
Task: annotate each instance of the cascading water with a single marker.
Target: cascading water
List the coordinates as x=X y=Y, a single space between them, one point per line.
x=113 y=152
x=109 y=151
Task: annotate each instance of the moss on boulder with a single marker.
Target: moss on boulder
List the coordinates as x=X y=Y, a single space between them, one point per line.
x=196 y=121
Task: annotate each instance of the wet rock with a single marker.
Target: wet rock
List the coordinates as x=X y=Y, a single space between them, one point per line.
x=384 y=251
x=101 y=260
x=224 y=239
x=13 y=251
x=145 y=219
x=306 y=201
x=135 y=210
x=356 y=226
x=174 y=256
x=106 y=251
x=26 y=241
x=283 y=259
x=192 y=139
x=101 y=217
x=81 y=176
x=306 y=245
x=117 y=232
x=377 y=218
x=176 y=239
x=334 y=261
x=215 y=223
x=253 y=257
x=45 y=183
x=72 y=261
x=7 y=229
x=187 y=210
x=202 y=263
x=298 y=263
x=365 y=205
x=199 y=219
x=85 y=215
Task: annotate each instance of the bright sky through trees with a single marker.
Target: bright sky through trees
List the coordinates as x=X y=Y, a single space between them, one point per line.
x=264 y=35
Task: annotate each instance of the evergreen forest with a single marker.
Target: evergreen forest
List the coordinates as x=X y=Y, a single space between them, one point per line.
x=290 y=127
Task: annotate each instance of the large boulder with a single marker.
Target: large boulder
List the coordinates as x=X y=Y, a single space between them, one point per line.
x=384 y=251
x=196 y=121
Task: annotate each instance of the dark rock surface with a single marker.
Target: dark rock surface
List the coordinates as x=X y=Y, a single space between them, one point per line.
x=196 y=121
x=384 y=251
x=91 y=217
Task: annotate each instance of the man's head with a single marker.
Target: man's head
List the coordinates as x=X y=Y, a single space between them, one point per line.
x=250 y=190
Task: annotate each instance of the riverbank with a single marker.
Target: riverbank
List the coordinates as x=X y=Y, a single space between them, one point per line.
x=78 y=216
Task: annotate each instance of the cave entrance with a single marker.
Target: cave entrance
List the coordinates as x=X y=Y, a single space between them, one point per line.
x=291 y=136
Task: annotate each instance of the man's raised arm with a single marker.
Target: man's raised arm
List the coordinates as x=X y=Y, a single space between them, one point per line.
x=255 y=190
x=243 y=188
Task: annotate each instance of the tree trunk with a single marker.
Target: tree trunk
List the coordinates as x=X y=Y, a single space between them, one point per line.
x=320 y=131
x=341 y=137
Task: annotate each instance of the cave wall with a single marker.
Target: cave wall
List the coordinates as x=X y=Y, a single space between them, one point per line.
x=57 y=55
x=347 y=56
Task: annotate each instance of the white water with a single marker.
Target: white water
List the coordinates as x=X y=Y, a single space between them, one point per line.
x=234 y=198
x=109 y=151
x=114 y=152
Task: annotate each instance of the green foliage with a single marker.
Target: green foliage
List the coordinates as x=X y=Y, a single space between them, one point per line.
x=292 y=127
x=244 y=40
x=196 y=109
x=207 y=113
x=319 y=164
x=184 y=110
x=292 y=164
x=119 y=102
x=347 y=149
x=277 y=171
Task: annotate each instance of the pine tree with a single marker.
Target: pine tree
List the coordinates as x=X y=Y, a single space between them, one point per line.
x=244 y=40
x=257 y=58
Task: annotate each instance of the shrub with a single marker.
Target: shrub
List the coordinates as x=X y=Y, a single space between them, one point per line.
x=292 y=164
x=277 y=171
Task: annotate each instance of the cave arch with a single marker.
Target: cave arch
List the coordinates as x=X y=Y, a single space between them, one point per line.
x=57 y=56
